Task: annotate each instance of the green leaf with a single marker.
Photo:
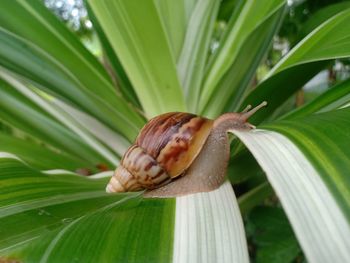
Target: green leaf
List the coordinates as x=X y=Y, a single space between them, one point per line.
x=322 y=15
x=112 y=60
x=272 y=235
x=137 y=35
x=195 y=49
x=254 y=197
x=325 y=140
x=111 y=141
x=329 y=41
x=56 y=217
x=173 y=16
x=46 y=104
x=45 y=52
x=332 y=99
x=111 y=235
x=276 y=90
x=251 y=15
x=242 y=166
x=233 y=86
x=19 y=111
x=309 y=173
x=41 y=157
x=227 y=7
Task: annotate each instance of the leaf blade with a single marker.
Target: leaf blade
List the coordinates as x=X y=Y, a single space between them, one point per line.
x=316 y=218
x=251 y=14
x=73 y=205
x=192 y=59
x=152 y=73
x=20 y=112
x=51 y=56
x=203 y=216
x=38 y=156
x=330 y=40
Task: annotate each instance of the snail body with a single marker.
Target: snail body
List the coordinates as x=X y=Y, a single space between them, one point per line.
x=179 y=153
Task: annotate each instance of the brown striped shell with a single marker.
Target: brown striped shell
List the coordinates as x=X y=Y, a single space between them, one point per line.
x=165 y=147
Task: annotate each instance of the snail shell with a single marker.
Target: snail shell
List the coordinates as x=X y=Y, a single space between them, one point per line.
x=176 y=144
x=165 y=148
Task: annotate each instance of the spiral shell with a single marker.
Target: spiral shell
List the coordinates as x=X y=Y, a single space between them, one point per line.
x=165 y=147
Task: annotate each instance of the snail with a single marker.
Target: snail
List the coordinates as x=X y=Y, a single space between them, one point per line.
x=179 y=153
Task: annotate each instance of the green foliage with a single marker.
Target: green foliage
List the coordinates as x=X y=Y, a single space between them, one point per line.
x=77 y=113
x=271 y=235
x=325 y=139
x=154 y=77
x=47 y=53
x=33 y=211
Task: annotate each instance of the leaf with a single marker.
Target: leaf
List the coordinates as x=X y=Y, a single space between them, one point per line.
x=45 y=52
x=332 y=99
x=233 y=86
x=193 y=57
x=329 y=41
x=41 y=157
x=226 y=9
x=115 y=142
x=251 y=15
x=137 y=36
x=324 y=139
x=254 y=197
x=19 y=111
x=43 y=212
x=277 y=90
x=242 y=166
x=173 y=15
x=272 y=235
x=44 y=102
x=322 y=15
x=309 y=174
x=49 y=217
x=107 y=226
x=209 y=228
x=40 y=21
x=113 y=61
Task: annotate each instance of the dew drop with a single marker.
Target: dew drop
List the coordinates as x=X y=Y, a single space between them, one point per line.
x=67 y=220
x=42 y=212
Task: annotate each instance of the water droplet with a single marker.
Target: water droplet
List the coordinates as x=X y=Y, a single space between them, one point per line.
x=67 y=220
x=42 y=212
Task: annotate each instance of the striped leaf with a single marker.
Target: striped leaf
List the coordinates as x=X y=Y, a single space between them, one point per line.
x=18 y=94
x=39 y=156
x=47 y=53
x=132 y=28
x=112 y=62
x=329 y=41
x=307 y=163
x=195 y=48
x=247 y=38
x=336 y=97
x=20 y=112
x=322 y=15
x=173 y=16
x=56 y=216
